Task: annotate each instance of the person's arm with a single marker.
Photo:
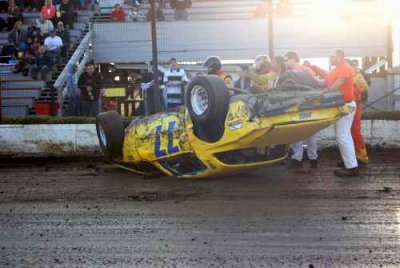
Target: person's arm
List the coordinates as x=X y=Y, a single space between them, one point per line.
x=11 y=39
x=338 y=83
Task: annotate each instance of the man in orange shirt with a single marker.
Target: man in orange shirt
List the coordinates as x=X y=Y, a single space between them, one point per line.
x=342 y=79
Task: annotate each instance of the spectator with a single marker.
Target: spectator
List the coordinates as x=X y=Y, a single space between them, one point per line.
x=356 y=66
x=342 y=79
x=3 y=6
x=14 y=15
x=134 y=14
x=18 y=37
x=360 y=86
x=293 y=62
x=28 y=57
x=159 y=14
x=67 y=13
x=244 y=81
x=54 y=45
x=214 y=66
x=43 y=64
x=65 y=37
x=262 y=77
x=180 y=7
x=73 y=92
x=31 y=5
x=118 y=13
x=175 y=80
x=90 y=83
x=48 y=11
x=45 y=26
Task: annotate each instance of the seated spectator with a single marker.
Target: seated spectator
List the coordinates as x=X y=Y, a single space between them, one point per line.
x=48 y=11
x=3 y=25
x=65 y=37
x=31 y=5
x=67 y=13
x=3 y=6
x=127 y=5
x=14 y=15
x=18 y=37
x=43 y=64
x=159 y=13
x=118 y=14
x=28 y=57
x=54 y=44
x=134 y=14
x=180 y=7
x=45 y=26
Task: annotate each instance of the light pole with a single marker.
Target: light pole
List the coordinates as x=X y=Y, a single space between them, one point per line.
x=270 y=30
x=156 y=86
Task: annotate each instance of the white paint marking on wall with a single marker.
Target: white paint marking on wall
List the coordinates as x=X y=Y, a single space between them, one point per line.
x=76 y=139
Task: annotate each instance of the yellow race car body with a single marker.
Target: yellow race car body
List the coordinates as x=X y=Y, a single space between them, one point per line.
x=257 y=131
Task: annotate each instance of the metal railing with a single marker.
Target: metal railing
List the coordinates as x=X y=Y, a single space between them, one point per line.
x=81 y=56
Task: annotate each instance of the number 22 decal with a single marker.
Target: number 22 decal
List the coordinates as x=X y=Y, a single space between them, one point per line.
x=157 y=145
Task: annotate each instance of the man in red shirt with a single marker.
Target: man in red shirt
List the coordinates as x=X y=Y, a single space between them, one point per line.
x=342 y=79
x=118 y=13
x=48 y=11
x=293 y=62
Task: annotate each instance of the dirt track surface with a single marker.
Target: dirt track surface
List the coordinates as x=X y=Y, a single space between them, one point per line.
x=78 y=214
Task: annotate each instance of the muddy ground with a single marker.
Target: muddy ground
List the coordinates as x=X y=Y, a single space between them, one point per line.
x=60 y=213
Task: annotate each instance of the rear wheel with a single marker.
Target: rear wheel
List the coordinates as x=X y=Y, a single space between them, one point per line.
x=208 y=101
x=110 y=131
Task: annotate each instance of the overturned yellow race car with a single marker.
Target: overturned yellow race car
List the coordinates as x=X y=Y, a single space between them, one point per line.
x=220 y=130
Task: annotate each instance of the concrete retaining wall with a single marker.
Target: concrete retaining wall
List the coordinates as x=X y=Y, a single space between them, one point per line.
x=66 y=140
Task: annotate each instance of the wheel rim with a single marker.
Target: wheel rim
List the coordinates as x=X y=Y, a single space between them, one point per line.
x=102 y=134
x=199 y=100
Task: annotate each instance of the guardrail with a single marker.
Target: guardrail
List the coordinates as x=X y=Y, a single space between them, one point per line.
x=81 y=56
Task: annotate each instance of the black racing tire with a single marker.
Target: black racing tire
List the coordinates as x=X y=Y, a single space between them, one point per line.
x=208 y=124
x=110 y=132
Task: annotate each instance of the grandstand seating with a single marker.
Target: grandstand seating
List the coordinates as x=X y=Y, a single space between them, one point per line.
x=19 y=93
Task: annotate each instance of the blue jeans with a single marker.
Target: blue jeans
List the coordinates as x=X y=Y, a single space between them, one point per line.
x=90 y=108
x=74 y=106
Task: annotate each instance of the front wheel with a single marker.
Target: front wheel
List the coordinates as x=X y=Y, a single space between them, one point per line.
x=110 y=132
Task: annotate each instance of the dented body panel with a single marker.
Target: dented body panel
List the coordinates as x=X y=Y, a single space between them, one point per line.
x=256 y=133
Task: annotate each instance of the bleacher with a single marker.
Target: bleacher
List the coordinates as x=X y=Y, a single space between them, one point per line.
x=20 y=93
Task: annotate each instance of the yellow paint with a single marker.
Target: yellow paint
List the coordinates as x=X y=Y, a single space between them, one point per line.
x=241 y=132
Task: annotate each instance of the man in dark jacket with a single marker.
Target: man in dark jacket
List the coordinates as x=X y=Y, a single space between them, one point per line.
x=244 y=81
x=18 y=37
x=90 y=83
x=43 y=65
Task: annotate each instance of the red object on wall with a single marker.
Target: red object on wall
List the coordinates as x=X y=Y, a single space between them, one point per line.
x=44 y=108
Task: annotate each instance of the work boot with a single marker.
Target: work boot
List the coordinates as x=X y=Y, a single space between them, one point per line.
x=294 y=164
x=314 y=163
x=347 y=172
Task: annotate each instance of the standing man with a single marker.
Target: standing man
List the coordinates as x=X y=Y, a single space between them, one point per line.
x=342 y=79
x=214 y=66
x=293 y=61
x=280 y=67
x=175 y=80
x=90 y=83
x=244 y=81
x=360 y=86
